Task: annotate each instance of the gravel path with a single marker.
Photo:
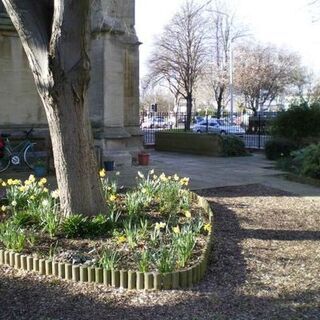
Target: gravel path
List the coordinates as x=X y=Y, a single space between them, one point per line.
x=265 y=265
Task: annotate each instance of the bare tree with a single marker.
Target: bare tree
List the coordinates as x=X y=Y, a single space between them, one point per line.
x=55 y=35
x=224 y=32
x=179 y=54
x=263 y=73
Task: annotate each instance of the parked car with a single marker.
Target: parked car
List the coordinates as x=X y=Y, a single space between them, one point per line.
x=198 y=119
x=218 y=126
x=155 y=123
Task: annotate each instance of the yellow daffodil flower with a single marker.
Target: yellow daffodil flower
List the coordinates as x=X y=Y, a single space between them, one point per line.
x=176 y=229
x=22 y=188
x=102 y=173
x=207 y=227
x=55 y=194
x=160 y=225
x=187 y=214
x=184 y=181
x=121 y=239
x=144 y=190
x=112 y=198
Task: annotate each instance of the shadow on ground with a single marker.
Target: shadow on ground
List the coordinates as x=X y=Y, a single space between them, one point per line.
x=218 y=296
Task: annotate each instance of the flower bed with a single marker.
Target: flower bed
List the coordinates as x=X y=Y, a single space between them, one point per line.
x=155 y=236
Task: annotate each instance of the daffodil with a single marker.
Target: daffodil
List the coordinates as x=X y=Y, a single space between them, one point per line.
x=163 y=177
x=4 y=184
x=3 y=208
x=14 y=203
x=43 y=181
x=45 y=190
x=10 y=182
x=121 y=239
x=28 y=183
x=45 y=203
x=160 y=225
x=207 y=227
x=176 y=229
x=151 y=172
x=112 y=198
x=102 y=173
x=141 y=175
x=154 y=177
x=32 y=178
x=144 y=190
x=187 y=214
x=184 y=181
x=176 y=177
x=22 y=188
x=55 y=194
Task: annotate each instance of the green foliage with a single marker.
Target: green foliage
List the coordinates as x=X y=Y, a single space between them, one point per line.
x=26 y=218
x=146 y=221
x=298 y=122
x=165 y=260
x=279 y=147
x=144 y=261
x=109 y=260
x=233 y=146
x=183 y=244
x=307 y=161
x=13 y=236
x=74 y=226
x=134 y=203
x=97 y=226
x=79 y=226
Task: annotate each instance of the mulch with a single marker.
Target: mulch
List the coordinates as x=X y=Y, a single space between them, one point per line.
x=264 y=265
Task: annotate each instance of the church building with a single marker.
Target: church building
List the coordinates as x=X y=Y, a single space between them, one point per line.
x=113 y=95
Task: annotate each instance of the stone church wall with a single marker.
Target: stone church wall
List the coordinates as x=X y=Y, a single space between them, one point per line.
x=113 y=95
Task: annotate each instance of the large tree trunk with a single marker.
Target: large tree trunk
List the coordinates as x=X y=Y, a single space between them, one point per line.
x=55 y=35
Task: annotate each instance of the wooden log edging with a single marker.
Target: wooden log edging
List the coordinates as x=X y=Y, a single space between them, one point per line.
x=127 y=279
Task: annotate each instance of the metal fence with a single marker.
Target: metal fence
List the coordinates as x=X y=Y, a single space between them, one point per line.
x=254 y=130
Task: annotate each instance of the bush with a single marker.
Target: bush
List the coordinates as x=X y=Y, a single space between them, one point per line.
x=277 y=148
x=233 y=146
x=74 y=226
x=80 y=226
x=307 y=161
x=298 y=122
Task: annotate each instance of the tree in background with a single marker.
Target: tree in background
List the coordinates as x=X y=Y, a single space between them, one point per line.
x=163 y=98
x=224 y=32
x=263 y=73
x=55 y=35
x=179 y=54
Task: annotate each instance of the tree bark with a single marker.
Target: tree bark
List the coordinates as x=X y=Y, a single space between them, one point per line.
x=219 y=102
x=55 y=35
x=189 y=110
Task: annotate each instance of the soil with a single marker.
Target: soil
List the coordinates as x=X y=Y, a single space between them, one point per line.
x=264 y=265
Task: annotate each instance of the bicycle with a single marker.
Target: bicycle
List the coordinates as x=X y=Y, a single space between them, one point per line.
x=14 y=155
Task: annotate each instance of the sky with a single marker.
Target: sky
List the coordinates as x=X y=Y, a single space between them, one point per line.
x=285 y=23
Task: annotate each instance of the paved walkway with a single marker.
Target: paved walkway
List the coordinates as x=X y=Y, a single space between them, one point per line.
x=208 y=172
